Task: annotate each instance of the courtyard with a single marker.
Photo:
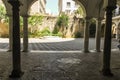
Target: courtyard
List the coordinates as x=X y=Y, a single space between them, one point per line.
x=57 y=44
x=59 y=59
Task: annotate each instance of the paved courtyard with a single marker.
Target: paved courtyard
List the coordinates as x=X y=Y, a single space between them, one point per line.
x=59 y=64
x=57 y=44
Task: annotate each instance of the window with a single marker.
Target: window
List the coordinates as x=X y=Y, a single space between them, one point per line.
x=68 y=11
x=68 y=4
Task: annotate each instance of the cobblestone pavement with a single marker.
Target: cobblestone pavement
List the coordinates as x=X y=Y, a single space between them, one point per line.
x=60 y=66
x=58 y=44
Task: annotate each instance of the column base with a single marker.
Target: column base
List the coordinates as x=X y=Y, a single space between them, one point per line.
x=25 y=51
x=9 y=50
x=86 y=51
x=98 y=50
x=107 y=72
x=16 y=74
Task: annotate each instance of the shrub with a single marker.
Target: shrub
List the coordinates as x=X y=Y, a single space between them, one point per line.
x=77 y=35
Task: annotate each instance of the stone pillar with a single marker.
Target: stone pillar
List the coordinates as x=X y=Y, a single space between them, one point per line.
x=86 y=34
x=16 y=57
x=10 y=32
x=106 y=71
x=25 y=33
x=98 y=34
x=118 y=31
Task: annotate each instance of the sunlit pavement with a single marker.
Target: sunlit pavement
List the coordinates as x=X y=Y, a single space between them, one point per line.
x=57 y=44
x=60 y=65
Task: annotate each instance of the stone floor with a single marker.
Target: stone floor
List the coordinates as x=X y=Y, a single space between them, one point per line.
x=60 y=66
x=57 y=44
x=63 y=63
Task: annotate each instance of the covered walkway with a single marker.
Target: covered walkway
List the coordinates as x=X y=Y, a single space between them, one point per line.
x=60 y=66
x=89 y=6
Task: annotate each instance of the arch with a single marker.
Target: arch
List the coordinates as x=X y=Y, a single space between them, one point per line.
x=82 y=4
x=105 y=3
x=30 y=4
x=7 y=7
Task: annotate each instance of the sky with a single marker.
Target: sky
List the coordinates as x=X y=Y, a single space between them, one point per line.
x=52 y=6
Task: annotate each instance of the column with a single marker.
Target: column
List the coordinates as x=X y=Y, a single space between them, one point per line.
x=25 y=33
x=16 y=56
x=117 y=31
x=86 y=35
x=106 y=71
x=10 y=32
x=98 y=34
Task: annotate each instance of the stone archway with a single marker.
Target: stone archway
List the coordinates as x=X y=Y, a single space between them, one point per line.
x=30 y=4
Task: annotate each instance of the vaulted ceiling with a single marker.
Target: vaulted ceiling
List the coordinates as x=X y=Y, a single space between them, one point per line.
x=92 y=8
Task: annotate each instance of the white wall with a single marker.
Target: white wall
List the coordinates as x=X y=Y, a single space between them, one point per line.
x=72 y=8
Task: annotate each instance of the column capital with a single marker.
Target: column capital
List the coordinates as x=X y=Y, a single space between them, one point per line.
x=111 y=5
x=14 y=2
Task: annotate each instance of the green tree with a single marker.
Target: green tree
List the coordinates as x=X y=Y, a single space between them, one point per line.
x=62 y=23
x=3 y=13
x=34 y=21
x=79 y=11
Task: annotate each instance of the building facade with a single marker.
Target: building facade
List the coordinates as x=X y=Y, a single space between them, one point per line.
x=38 y=7
x=67 y=6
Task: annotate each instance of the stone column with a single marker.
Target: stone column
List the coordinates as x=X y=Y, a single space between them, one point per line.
x=16 y=56
x=86 y=34
x=117 y=31
x=98 y=34
x=106 y=71
x=25 y=33
x=10 y=32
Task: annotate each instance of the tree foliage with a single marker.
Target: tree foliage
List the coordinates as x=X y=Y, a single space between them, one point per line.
x=62 y=20
x=3 y=13
x=35 y=20
x=61 y=24
x=79 y=12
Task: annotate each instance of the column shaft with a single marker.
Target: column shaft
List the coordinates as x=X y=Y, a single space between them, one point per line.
x=107 y=42
x=16 y=56
x=86 y=35
x=25 y=33
x=10 y=33
x=98 y=34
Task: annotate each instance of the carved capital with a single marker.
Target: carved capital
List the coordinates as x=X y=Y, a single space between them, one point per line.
x=112 y=4
x=14 y=3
